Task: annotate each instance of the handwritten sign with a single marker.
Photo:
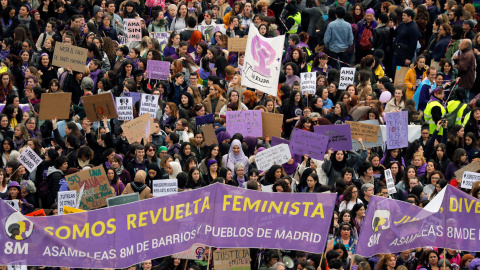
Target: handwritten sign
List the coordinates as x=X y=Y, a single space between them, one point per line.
x=29 y=159
x=237 y=44
x=231 y=258
x=124 y=108
x=149 y=105
x=133 y=28
x=397 y=129
x=140 y=127
x=164 y=187
x=247 y=123
x=390 y=182
x=209 y=133
x=272 y=124
x=305 y=142
x=276 y=155
x=308 y=82
x=356 y=145
x=204 y=119
x=68 y=55
x=469 y=178
x=98 y=106
x=158 y=70
x=339 y=136
x=366 y=132
x=66 y=198
x=277 y=140
x=97 y=188
x=55 y=105
x=347 y=77
x=472 y=167
x=194 y=253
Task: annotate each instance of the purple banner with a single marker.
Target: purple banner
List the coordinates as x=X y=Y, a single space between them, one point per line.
x=397 y=129
x=217 y=215
x=450 y=220
x=134 y=95
x=204 y=120
x=306 y=142
x=277 y=141
x=247 y=123
x=158 y=70
x=339 y=136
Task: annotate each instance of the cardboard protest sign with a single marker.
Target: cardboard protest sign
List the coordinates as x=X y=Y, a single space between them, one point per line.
x=397 y=129
x=308 y=82
x=70 y=210
x=158 y=70
x=469 y=178
x=164 y=187
x=390 y=182
x=124 y=108
x=55 y=105
x=237 y=44
x=38 y=213
x=134 y=95
x=13 y=204
x=66 y=198
x=29 y=159
x=149 y=105
x=367 y=132
x=472 y=167
x=276 y=155
x=272 y=124
x=194 y=253
x=347 y=77
x=209 y=133
x=204 y=119
x=68 y=55
x=138 y=128
x=247 y=123
x=98 y=106
x=231 y=258
x=305 y=142
x=262 y=62
x=400 y=75
x=133 y=28
x=339 y=136
x=123 y=199
x=97 y=188
x=380 y=141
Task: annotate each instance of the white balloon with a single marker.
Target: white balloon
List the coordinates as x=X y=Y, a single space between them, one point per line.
x=385 y=96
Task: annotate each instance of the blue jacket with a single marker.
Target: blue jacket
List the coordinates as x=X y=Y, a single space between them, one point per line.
x=422 y=94
x=338 y=36
x=441 y=48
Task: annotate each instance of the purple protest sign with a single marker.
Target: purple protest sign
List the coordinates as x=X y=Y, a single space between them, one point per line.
x=247 y=123
x=134 y=95
x=397 y=129
x=217 y=215
x=204 y=120
x=450 y=220
x=158 y=70
x=305 y=142
x=339 y=136
x=277 y=141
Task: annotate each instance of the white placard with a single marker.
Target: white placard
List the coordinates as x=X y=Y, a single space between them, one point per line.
x=148 y=104
x=18 y=265
x=277 y=155
x=164 y=187
x=268 y=188
x=390 y=182
x=347 y=77
x=29 y=159
x=308 y=82
x=66 y=198
x=124 y=108
x=13 y=204
x=469 y=178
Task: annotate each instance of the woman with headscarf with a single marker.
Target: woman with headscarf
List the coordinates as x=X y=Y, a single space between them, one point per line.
x=153 y=173
x=235 y=155
x=138 y=186
x=212 y=167
x=251 y=143
x=173 y=168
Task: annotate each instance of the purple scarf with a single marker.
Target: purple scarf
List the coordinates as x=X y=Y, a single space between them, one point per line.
x=290 y=168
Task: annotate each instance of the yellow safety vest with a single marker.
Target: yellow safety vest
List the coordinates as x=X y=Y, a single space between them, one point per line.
x=452 y=106
x=427 y=114
x=298 y=19
x=467 y=117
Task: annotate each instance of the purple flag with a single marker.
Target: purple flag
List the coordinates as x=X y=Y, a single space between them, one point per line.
x=450 y=220
x=339 y=136
x=306 y=142
x=217 y=215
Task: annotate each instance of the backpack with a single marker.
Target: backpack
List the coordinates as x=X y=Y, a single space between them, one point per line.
x=365 y=43
x=451 y=117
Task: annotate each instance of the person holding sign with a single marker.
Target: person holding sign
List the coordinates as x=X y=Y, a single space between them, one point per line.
x=15 y=193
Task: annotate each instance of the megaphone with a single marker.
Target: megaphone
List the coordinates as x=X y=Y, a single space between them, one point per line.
x=288 y=262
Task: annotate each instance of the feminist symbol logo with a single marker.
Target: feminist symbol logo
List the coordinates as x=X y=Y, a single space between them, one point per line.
x=199 y=252
x=263 y=54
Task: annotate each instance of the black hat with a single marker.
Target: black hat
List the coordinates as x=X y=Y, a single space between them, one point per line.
x=137 y=72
